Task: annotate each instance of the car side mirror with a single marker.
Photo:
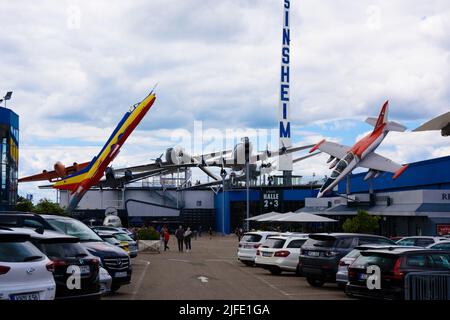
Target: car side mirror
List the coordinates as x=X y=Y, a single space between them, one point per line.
x=39 y=230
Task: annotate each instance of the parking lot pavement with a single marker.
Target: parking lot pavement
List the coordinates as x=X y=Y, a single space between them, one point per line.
x=212 y=271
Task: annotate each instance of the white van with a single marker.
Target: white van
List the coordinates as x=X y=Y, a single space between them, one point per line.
x=112 y=221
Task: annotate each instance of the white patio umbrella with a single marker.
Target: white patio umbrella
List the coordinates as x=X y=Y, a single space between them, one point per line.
x=302 y=217
x=262 y=216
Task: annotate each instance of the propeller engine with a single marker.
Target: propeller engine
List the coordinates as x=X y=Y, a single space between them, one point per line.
x=175 y=155
x=60 y=169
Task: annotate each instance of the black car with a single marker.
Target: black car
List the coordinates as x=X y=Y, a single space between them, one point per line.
x=394 y=265
x=320 y=255
x=67 y=255
x=113 y=259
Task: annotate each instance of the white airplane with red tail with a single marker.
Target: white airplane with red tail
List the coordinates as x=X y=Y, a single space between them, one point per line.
x=362 y=154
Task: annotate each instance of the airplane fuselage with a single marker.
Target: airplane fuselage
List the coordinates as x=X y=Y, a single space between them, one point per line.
x=358 y=152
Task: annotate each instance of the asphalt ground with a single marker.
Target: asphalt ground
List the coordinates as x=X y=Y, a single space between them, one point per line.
x=211 y=271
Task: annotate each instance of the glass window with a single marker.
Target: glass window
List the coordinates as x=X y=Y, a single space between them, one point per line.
x=341 y=166
x=345 y=243
x=74 y=228
x=440 y=261
x=30 y=223
x=274 y=243
x=416 y=261
x=320 y=241
x=385 y=263
x=355 y=253
x=424 y=242
x=296 y=243
x=62 y=250
x=442 y=246
x=19 y=252
x=122 y=237
x=251 y=237
x=406 y=242
x=375 y=240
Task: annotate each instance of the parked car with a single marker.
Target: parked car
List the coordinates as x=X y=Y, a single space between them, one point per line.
x=128 y=244
x=419 y=241
x=105 y=281
x=118 y=229
x=321 y=253
x=25 y=272
x=66 y=252
x=113 y=259
x=280 y=253
x=441 y=245
x=251 y=241
x=347 y=260
x=394 y=266
x=112 y=240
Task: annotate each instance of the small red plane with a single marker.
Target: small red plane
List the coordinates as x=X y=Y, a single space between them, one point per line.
x=362 y=154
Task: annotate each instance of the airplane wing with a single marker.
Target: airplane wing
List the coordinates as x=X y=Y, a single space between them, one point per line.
x=438 y=123
x=53 y=175
x=379 y=163
x=333 y=149
x=269 y=154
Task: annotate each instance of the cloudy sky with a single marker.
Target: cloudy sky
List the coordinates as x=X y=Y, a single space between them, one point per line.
x=76 y=66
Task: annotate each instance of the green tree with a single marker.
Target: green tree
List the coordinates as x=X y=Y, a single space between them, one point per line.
x=24 y=205
x=47 y=206
x=361 y=223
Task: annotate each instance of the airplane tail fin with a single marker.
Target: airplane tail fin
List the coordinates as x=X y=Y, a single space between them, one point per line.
x=383 y=120
x=383 y=116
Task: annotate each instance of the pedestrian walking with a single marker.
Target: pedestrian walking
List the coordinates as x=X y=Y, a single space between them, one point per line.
x=200 y=231
x=210 y=233
x=187 y=239
x=166 y=239
x=179 y=234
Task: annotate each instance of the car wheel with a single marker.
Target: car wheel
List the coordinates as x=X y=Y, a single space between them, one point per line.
x=115 y=287
x=315 y=282
x=341 y=285
x=275 y=271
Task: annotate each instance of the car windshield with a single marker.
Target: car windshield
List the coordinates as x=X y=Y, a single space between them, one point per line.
x=75 y=228
x=355 y=253
x=251 y=237
x=274 y=243
x=62 y=250
x=386 y=263
x=19 y=252
x=320 y=241
x=122 y=237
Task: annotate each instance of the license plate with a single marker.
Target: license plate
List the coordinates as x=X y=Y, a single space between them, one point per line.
x=266 y=254
x=120 y=274
x=313 y=253
x=28 y=296
x=85 y=270
x=362 y=276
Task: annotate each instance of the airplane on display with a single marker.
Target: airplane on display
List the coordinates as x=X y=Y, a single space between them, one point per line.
x=235 y=159
x=345 y=158
x=441 y=122
x=79 y=178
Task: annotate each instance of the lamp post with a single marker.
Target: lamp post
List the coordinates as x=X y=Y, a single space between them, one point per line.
x=6 y=97
x=223 y=174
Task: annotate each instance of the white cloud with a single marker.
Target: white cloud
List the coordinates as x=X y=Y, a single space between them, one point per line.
x=218 y=62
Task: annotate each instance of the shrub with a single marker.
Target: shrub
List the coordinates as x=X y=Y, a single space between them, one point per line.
x=147 y=234
x=361 y=223
x=46 y=206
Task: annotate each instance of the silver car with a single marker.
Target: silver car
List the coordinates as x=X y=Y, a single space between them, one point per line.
x=346 y=261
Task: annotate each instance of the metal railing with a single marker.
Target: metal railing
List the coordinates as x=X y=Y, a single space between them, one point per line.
x=427 y=286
